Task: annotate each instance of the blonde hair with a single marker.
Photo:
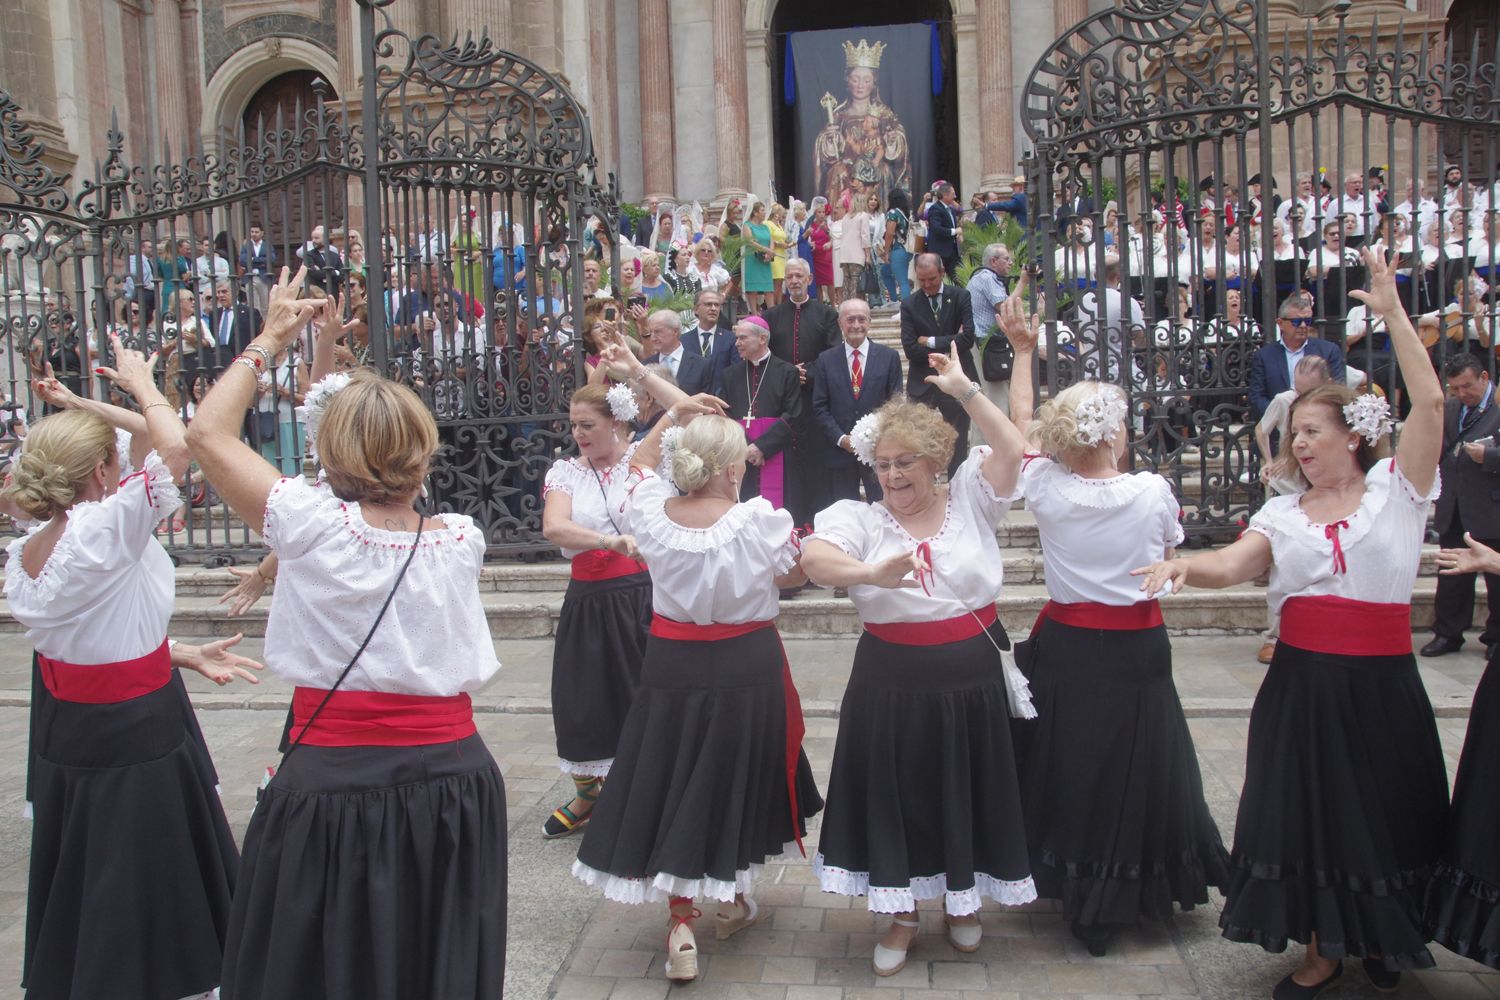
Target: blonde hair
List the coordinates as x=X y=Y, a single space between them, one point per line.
x=375 y=440
x=1334 y=397
x=708 y=446
x=60 y=454
x=1054 y=432
x=920 y=428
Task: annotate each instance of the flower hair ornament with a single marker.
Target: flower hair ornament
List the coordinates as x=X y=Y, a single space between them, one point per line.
x=1369 y=416
x=864 y=436
x=622 y=403
x=315 y=403
x=671 y=440
x=1099 y=417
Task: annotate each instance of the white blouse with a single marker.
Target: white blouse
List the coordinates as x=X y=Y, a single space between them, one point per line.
x=335 y=573
x=105 y=593
x=597 y=496
x=966 y=562
x=724 y=574
x=1381 y=542
x=1095 y=531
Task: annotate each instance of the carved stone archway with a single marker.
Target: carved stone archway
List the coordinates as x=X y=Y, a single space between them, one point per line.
x=242 y=75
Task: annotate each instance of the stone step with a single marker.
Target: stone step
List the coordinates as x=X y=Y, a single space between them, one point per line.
x=816 y=613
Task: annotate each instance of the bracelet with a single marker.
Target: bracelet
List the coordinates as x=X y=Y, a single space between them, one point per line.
x=265 y=355
x=670 y=417
x=267 y=580
x=640 y=377
x=159 y=402
x=603 y=542
x=262 y=378
x=973 y=391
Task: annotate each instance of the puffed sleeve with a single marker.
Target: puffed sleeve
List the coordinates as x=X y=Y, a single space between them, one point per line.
x=777 y=532
x=1030 y=484
x=1171 y=513
x=970 y=483
x=470 y=539
x=562 y=477
x=1388 y=475
x=299 y=515
x=1269 y=519
x=128 y=516
x=845 y=525
x=646 y=494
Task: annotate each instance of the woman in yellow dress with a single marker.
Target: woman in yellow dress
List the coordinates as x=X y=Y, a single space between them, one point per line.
x=779 y=244
x=863 y=147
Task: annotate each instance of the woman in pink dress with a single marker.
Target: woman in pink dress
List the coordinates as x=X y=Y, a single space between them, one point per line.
x=822 y=250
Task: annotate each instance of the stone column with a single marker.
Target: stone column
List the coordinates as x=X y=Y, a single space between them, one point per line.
x=170 y=90
x=997 y=102
x=602 y=109
x=190 y=34
x=658 y=140
x=481 y=17
x=971 y=111
x=731 y=100
x=1067 y=13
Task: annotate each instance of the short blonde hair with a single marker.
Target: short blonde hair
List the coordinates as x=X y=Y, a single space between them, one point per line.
x=1054 y=432
x=708 y=446
x=376 y=440
x=56 y=461
x=920 y=428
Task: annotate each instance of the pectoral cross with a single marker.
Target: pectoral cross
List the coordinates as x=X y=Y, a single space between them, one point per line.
x=829 y=103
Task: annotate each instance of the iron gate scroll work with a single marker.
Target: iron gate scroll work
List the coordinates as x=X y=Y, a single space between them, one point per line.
x=472 y=190
x=1150 y=121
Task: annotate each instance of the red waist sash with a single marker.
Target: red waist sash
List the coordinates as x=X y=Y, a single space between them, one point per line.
x=603 y=564
x=373 y=719
x=796 y=728
x=107 y=683
x=962 y=627
x=1338 y=625
x=1113 y=617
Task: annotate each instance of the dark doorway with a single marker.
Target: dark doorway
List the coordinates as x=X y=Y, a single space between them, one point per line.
x=792 y=16
x=271 y=122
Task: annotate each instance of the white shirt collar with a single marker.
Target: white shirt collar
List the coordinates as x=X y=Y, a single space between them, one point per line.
x=761 y=360
x=675 y=355
x=850 y=351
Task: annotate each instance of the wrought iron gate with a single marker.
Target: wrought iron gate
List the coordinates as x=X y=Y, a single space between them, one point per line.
x=470 y=172
x=1166 y=130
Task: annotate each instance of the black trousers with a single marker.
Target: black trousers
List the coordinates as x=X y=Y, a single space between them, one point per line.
x=846 y=480
x=1454 y=604
x=957 y=418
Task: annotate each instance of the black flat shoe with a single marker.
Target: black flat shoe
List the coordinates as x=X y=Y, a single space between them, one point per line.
x=1094 y=938
x=1383 y=979
x=1441 y=645
x=1290 y=989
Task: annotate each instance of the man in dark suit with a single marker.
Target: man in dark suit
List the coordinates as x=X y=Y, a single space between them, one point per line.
x=1271 y=370
x=1074 y=202
x=851 y=381
x=645 y=226
x=944 y=233
x=761 y=385
x=257 y=268
x=708 y=339
x=233 y=325
x=691 y=371
x=325 y=265
x=802 y=328
x=934 y=318
x=1470 y=501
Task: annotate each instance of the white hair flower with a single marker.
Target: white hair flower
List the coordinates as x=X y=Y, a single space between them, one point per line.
x=316 y=402
x=1369 y=416
x=864 y=437
x=1100 y=417
x=622 y=403
x=671 y=438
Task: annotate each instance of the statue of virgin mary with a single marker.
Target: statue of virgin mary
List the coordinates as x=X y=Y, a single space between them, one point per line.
x=863 y=147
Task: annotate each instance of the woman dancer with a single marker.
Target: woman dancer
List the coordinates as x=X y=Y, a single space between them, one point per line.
x=1462 y=896
x=1115 y=818
x=374 y=864
x=132 y=860
x=709 y=779
x=601 y=632
x=1342 y=814
x=922 y=799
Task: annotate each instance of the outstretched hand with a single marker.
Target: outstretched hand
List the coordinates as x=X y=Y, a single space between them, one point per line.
x=243 y=595
x=1476 y=558
x=132 y=370
x=950 y=377
x=287 y=314
x=1382 y=297
x=897 y=572
x=1020 y=329
x=1167 y=576
x=214 y=661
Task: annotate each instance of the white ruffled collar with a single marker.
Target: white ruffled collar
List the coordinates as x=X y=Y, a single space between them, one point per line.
x=952 y=520
x=1379 y=482
x=1100 y=494
x=42 y=588
x=684 y=539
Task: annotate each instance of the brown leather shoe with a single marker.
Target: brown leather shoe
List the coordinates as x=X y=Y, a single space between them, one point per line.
x=1267 y=650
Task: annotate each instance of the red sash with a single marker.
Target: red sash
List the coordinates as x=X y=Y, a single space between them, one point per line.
x=1112 y=617
x=107 y=683
x=936 y=633
x=1345 y=627
x=372 y=719
x=604 y=564
x=796 y=728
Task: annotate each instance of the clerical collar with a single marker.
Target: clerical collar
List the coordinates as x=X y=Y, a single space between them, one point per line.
x=758 y=361
x=805 y=300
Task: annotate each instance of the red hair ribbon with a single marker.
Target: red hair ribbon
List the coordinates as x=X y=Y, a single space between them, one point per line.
x=1331 y=532
x=924 y=553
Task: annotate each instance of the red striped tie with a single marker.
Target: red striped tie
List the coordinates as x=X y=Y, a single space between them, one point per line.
x=856 y=375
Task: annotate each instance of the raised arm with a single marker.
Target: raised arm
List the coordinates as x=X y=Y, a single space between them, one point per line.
x=1421 y=442
x=678 y=406
x=328 y=327
x=1022 y=330
x=55 y=393
x=830 y=566
x=165 y=433
x=1006 y=442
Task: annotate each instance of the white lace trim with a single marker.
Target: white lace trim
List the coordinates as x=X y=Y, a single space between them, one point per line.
x=662 y=885
x=674 y=536
x=1099 y=494
x=585 y=768
x=904 y=899
x=1017 y=688
x=1285 y=513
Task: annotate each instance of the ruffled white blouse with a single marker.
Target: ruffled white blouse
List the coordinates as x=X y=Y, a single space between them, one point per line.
x=1381 y=543
x=723 y=574
x=105 y=593
x=335 y=572
x=597 y=495
x=1095 y=531
x=966 y=563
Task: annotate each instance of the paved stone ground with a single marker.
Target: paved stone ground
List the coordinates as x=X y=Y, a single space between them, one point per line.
x=566 y=942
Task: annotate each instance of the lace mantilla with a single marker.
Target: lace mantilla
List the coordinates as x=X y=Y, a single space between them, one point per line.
x=662 y=886
x=903 y=899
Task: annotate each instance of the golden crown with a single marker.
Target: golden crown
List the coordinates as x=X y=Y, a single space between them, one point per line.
x=864 y=54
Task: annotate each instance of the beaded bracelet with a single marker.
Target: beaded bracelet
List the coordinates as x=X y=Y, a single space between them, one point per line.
x=262 y=378
x=973 y=391
x=265 y=355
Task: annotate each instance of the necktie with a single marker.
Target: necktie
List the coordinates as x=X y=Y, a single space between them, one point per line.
x=672 y=364
x=856 y=374
x=708 y=341
x=225 y=324
x=936 y=301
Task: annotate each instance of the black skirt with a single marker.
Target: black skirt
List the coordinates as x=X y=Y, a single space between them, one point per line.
x=1463 y=898
x=923 y=800
x=1343 y=810
x=132 y=859
x=1110 y=788
x=596 y=665
x=373 y=872
x=697 y=799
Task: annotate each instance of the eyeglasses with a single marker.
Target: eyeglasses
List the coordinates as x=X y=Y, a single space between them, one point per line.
x=1299 y=320
x=902 y=464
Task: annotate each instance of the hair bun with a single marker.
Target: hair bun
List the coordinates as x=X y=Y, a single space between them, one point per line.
x=688 y=470
x=40 y=488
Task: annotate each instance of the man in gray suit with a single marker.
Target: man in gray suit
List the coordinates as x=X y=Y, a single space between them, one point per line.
x=1470 y=501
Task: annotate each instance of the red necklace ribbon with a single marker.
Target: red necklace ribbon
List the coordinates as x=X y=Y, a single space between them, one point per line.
x=924 y=553
x=1331 y=532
